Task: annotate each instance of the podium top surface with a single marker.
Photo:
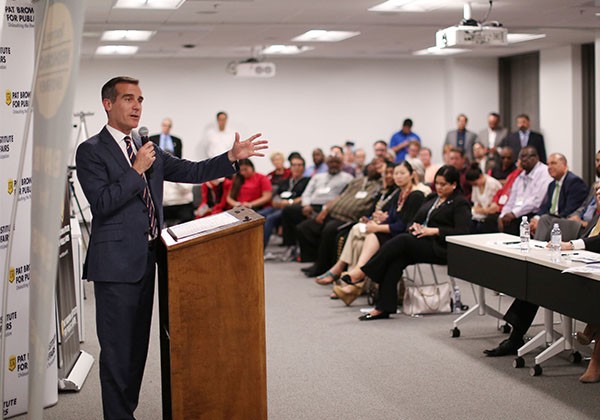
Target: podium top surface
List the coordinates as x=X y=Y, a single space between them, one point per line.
x=200 y=230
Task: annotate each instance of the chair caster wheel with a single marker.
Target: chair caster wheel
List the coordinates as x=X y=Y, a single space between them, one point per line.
x=506 y=329
x=519 y=362
x=535 y=371
x=575 y=357
x=455 y=332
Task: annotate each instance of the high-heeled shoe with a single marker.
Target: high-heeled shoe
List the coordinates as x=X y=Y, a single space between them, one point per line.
x=346 y=278
x=589 y=334
x=348 y=297
x=322 y=279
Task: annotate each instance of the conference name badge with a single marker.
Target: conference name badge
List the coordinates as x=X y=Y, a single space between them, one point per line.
x=324 y=190
x=286 y=194
x=361 y=195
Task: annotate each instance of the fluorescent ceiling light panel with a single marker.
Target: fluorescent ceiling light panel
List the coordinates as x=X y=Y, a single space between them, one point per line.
x=127 y=35
x=514 y=38
x=116 y=50
x=148 y=4
x=440 y=51
x=321 y=35
x=286 y=49
x=409 y=6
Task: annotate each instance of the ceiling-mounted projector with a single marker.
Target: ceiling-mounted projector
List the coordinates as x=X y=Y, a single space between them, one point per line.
x=471 y=33
x=251 y=68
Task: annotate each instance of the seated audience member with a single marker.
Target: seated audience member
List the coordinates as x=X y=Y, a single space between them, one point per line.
x=461 y=138
x=586 y=211
x=461 y=164
x=506 y=166
x=430 y=168
x=380 y=149
x=480 y=157
x=321 y=189
x=379 y=214
x=501 y=197
x=413 y=151
x=446 y=154
x=527 y=193
x=445 y=213
x=520 y=315
x=484 y=189
x=565 y=194
x=214 y=197
x=419 y=176
x=317 y=237
x=360 y=159
x=319 y=166
x=338 y=151
x=349 y=153
x=280 y=172
x=361 y=245
x=178 y=203
x=289 y=192
x=249 y=188
x=400 y=141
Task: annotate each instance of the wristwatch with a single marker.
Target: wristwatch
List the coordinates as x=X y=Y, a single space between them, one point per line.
x=572 y=245
x=291 y=201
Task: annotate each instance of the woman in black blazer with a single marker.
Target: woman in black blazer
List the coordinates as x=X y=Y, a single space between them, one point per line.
x=445 y=213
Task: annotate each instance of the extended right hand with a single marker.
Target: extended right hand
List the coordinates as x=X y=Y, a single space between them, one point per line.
x=144 y=158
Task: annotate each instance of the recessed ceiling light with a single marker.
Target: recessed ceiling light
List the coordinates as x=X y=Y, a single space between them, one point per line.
x=440 y=51
x=514 y=38
x=148 y=4
x=409 y=6
x=127 y=35
x=116 y=50
x=321 y=35
x=286 y=49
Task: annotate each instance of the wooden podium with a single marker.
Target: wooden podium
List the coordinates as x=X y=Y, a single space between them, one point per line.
x=212 y=321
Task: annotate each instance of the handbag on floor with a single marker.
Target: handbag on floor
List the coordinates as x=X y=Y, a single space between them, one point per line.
x=427 y=299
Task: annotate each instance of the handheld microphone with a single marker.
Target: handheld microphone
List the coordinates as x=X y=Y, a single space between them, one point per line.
x=143 y=132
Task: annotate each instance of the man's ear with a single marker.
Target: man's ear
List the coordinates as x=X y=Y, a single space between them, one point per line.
x=107 y=104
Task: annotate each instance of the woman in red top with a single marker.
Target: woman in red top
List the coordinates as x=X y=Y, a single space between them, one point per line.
x=214 y=197
x=249 y=188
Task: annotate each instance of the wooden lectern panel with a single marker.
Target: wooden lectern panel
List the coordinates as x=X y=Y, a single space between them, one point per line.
x=216 y=321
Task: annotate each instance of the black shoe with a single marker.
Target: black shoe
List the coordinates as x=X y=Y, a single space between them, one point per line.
x=369 y=317
x=505 y=348
x=309 y=269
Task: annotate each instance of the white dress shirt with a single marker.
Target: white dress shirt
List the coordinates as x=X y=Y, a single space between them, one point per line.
x=528 y=192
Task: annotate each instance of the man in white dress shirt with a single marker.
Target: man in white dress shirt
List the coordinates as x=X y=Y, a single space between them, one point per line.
x=217 y=139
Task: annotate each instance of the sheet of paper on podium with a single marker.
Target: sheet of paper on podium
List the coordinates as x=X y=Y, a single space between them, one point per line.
x=198 y=226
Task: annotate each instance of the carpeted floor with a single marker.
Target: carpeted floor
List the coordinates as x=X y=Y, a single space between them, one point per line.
x=324 y=364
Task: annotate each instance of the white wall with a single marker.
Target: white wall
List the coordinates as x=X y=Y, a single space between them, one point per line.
x=561 y=103
x=309 y=103
x=597 y=77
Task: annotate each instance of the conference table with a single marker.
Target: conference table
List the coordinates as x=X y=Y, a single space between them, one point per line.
x=494 y=261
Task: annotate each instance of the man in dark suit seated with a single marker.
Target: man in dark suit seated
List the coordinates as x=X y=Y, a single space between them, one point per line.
x=565 y=194
x=123 y=181
x=525 y=137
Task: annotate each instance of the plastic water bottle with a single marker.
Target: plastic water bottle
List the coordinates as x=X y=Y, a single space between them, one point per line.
x=457 y=302
x=555 y=240
x=524 y=233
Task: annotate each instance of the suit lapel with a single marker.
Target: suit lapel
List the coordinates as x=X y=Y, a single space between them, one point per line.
x=113 y=148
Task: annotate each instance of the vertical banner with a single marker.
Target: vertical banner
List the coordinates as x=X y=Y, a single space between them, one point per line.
x=16 y=74
x=53 y=96
x=66 y=301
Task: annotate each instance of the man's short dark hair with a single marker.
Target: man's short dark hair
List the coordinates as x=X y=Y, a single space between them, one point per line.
x=298 y=157
x=458 y=150
x=495 y=114
x=109 y=90
x=380 y=141
x=221 y=113
x=523 y=116
x=407 y=123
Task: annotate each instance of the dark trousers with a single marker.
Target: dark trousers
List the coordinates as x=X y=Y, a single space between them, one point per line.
x=180 y=213
x=387 y=265
x=272 y=220
x=123 y=319
x=291 y=216
x=520 y=315
x=318 y=242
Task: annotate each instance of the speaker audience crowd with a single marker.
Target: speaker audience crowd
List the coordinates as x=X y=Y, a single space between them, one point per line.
x=359 y=222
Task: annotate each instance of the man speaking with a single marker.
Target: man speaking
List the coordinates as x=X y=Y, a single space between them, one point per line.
x=123 y=181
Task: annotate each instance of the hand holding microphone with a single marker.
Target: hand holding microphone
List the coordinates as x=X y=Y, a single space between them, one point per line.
x=146 y=155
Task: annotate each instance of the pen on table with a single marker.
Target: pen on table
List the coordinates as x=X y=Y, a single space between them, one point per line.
x=569 y=254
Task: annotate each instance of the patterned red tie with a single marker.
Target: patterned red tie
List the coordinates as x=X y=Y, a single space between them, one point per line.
x=146 y=193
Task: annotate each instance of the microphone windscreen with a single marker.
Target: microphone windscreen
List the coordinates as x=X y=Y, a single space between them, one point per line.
x=143 y=132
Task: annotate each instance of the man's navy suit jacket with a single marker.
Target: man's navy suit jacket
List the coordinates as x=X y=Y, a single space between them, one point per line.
x=572 y=193
x=513 y=140
x=118 y=248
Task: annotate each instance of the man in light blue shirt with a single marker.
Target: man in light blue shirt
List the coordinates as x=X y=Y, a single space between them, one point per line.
x=166 y=141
